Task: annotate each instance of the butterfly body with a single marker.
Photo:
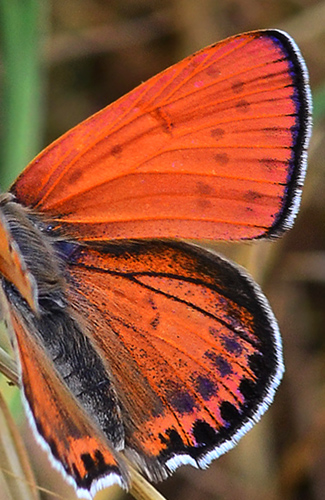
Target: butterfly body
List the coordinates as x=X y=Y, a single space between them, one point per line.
x=131 y=339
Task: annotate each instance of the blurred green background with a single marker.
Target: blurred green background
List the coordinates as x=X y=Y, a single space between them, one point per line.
x=62 y=61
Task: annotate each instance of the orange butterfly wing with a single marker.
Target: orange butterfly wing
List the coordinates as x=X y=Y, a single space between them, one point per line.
x=191 y=342
x=62 y=428
x=213 y=148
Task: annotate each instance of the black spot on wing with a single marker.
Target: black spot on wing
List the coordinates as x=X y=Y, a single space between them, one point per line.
x=204 y=433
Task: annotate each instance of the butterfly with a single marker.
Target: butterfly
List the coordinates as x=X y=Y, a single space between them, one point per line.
x=134 y=344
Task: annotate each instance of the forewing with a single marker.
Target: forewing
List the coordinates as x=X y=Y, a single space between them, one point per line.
x=191 y=342
x=213 y=147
